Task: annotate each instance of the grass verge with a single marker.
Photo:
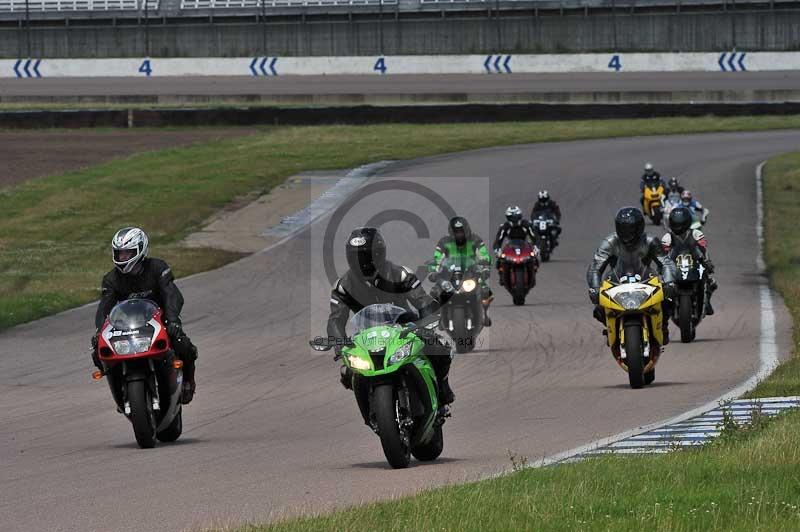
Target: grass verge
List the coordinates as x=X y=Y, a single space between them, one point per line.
x=55 y=230
x=748 y=479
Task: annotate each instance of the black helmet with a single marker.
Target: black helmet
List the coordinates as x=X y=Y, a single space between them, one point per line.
x=680 y=220
x=629 y=223
x=459 y=230
x=544 y=197
x=673 y=183
x=366 y=251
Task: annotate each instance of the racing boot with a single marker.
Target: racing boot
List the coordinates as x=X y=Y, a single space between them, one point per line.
x=346 y=377
x=446 y=395
x=712 y=287
x=487 y=321
x=187 y=394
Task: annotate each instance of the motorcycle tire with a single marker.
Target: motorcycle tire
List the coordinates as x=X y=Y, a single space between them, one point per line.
x=384 y=407
x=634 y=351
x=173 y=430
x=545 y=254
x=431 y=450
x=142 y=418
x=685 y=321
x=464 y=340
x=518 y=291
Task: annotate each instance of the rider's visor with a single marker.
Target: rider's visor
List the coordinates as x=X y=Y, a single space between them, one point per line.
x=124 y=255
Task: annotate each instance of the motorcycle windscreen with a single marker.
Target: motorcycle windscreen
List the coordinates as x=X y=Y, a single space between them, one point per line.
x=375 y=316
x=132 y=314
x=629 y=266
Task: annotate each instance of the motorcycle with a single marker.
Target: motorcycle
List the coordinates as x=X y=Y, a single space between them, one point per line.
x=462 y=316
x=654 y=203
x=394 y=382
x=142 y=371
x=518 y=263
x=692 y=292
x=545 y=228
x=672 y=201
x=633 y=324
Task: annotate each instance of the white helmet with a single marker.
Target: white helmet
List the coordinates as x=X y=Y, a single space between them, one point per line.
x=514 y=215
x=128 y=248
x=648 y=168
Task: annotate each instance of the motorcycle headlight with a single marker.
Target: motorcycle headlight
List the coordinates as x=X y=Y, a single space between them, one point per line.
x=358 y=363
x=401 y=353
x=468 y=285
x=631 y=300
x=131 y=345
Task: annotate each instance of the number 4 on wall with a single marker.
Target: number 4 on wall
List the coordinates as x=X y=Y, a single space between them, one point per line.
x=380 y=66
x=146 y=69
x=615 y=63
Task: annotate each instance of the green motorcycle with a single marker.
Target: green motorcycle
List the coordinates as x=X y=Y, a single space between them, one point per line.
x=394 y=382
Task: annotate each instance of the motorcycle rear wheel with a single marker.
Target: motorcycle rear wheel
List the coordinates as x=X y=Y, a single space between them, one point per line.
x=685 y=321
x=432 y=449
x=634 y=351
x=142 y=419
x=384 y=407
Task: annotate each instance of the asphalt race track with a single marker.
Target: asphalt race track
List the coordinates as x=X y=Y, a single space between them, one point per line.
x=402 y=84
x=272 y=433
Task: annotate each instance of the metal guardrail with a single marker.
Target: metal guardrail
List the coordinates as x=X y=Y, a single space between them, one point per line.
x=20 y=6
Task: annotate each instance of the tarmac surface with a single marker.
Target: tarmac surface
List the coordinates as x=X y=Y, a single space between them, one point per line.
x=271 y=432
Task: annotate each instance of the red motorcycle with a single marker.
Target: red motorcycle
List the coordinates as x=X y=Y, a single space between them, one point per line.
x=518 y=263
x=143 y=372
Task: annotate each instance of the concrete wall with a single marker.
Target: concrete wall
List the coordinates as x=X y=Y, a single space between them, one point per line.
x=685 y=32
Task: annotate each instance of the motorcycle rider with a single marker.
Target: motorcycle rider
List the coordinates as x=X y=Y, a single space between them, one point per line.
x=674 y=187
x=694 y=206
x=630 y=246
x=516 y=228
x=546 y=205
x=135 y=275
x=462 y=243
x=372 y=279
x=680 y=232
x=650 y=178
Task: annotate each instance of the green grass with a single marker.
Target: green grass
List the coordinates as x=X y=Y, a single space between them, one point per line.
x=746 y=480
x=55 y=231
x=782 y=198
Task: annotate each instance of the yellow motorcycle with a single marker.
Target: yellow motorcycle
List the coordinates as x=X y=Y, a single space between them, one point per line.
x=654 y=203
x=634 y=319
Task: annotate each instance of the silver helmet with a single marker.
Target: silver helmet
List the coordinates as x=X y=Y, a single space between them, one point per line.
x=514 y=215
x=128 y=248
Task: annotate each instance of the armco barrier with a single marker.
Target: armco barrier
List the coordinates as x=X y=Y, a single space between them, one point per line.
x=733 y=61
x=419 y=114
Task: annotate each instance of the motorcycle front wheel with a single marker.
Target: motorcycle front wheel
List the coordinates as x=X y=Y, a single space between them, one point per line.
x=685 y=321
x=518 y=289
x=384 y=406
x=634 y=351
x=464 y=340
x=432 y=449
x=142 y=419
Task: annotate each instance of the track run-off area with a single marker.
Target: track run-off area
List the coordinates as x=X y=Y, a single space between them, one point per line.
x=399 y=84
x=271 y=432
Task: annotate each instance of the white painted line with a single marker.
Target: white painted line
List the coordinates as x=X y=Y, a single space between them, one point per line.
x=767 y=354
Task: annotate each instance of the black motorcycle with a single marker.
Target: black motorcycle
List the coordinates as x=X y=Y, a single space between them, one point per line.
x=462 y=316
x=546 y=229
x=692 y=292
